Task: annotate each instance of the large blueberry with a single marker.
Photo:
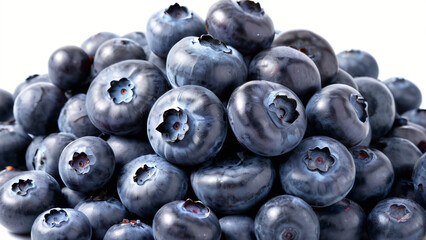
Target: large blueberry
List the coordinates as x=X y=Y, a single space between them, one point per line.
x=187 y=125
x=406 y=94
x=266 y=117
x=358 y=63
x=120 y=97
x=207 y=62
x=233 y=184
x=286 y=217
x=320 y=170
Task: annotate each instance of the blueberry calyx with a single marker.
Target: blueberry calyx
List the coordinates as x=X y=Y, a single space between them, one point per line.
x=360 y=105
x=22 y=187
x=174 y=125
x=39 y=158
x=144 y=174
x=207 y=40
x=177 y=11
x=281 y=109
x=122 y=91
x=399 y=213
x=133 y=223
x=197 y=208
x=289 y=234
x=319 y=159
x=82 y=160
x=251 y=7
x=56 y=218
x=365 y=155
x=6 y=129
x=305 y=51
x=352 y=51
x=29 y=78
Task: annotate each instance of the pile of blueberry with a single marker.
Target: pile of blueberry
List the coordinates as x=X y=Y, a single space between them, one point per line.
x=222 y=128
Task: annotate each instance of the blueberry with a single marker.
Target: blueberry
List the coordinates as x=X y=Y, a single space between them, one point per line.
x=406 y=94
x=13 y=143
x=207 y=62
x=116 y=50
x=148 y=182
x=30 y=80
x=288 y=67
x=24 y=197
x=37 y=108
x=233 y=184
x=320 y=170
x=397 y=218
x=358 y=63
x=266 y=117
x=134 y=229
x=120 y=97
x=140 y=38
x=313 y=45
x=237 y=227
x=187 y=125
x=61 y=224
x=86 y=164
x=185 y=220
x=417 y=116
x=419 y=180
x=166 y=27
x=91 y=44
x=243 y=25
x=343 y=78
x=412 y=132
x=6 y=105
x=286 y=217
x=340 y=112
x=69 y=68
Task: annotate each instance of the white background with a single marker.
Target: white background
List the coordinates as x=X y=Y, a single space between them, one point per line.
x=393 y=31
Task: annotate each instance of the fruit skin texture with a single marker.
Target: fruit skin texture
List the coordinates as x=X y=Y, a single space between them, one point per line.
x=397 y=218
x=14 y=141
x=320 y=170
x=24 y=197
x=143 y=84
x=244 y=26
x=69 y=224
x=286 y=216
x=148 y=182
x=166 y=27
x=289 y=67
x=207 y=62
x=128 y=230
x=358 y=63
x=237 y=227
x=340 y=112
x=185 y=220
x=187 y=125
x=406 y=94
x=37 y=108
x=6 y=105
x=266 y=117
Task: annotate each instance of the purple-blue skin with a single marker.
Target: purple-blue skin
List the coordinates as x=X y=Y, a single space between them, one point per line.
x=91 y=44
x=148 y=182
x=320 y=170
x=340 y=112
x=69 y=68
x=140 y=38
x=187 y=125
x=30 y=80
x=397 y=218
x=116 y=50
x=243 y=25
x=207 y=62
x=419 y=180
x=73 y=118
x=289 y=67
x=166 y=27
x=381 y=105
x=412 y=132
x=159 y=62
x=286 y=217
x=14 y=141
x=186 y=220
x=358 y=63
x=342 y=220
x=315 y=47
x=102 y=212
x=417 y=116
x=266 y=117
x=46 y=155
x=406 y=94
x=237 y=227
x=374 y=176
x=71 y=198
x=61 y=224
x=120 y=97
x=342 y=77
x=233 y=184
x=37 y=108
x=6 y=105
x=134 y=229
x=24 y=197
x=402 y=153
x=86 y=164
x=8 y=173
